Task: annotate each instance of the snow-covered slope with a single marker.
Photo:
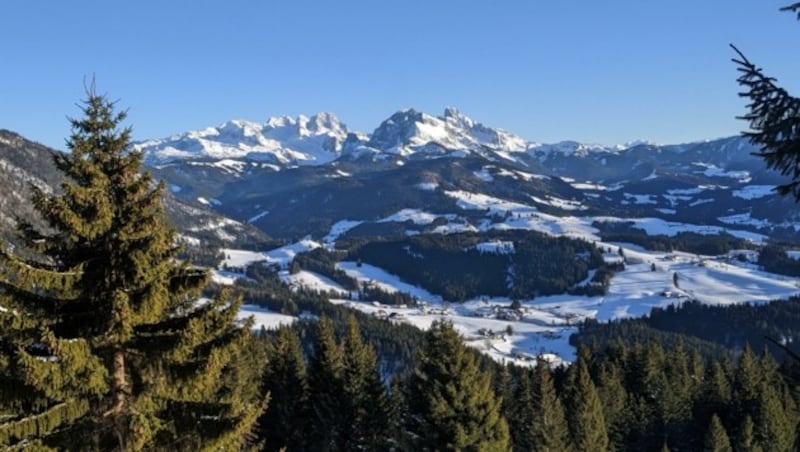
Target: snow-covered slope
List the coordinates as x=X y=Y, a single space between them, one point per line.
x=280 y=140
x=410 y=132
x=321 y=138
x=283 y=142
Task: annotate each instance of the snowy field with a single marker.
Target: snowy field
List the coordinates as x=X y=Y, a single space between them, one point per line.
x=541 y=326
x=264 y=317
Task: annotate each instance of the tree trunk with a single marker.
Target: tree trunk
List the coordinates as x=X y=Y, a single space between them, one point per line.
x=121 y=391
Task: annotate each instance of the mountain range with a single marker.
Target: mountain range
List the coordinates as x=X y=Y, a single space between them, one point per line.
x=294 y=177
x=297 y=176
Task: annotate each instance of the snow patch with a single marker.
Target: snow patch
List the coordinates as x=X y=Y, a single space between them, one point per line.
x=496 y=247
x=258 y=216
x=484 y=175
x=715 y=171
x=264 y=318
x=338 y=229
x=563 y=204
x=744 y=219
x=640 y=199
x=427 y=186
x=416 y=216
x=754 y=191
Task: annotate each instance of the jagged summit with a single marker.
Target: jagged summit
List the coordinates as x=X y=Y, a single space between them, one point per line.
x=412 y=133
x=281 y=140
x=315 y=140
x=285 y=141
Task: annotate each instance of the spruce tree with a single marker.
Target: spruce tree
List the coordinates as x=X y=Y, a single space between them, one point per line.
x=367 y=412
x=326 y=390
x=287 y=382
x=773 y=429
x=103 y=344
x=504 y=384
x=716 y=439
x=747 y=384
x=676 y=398
x=715 y=397
x=521 y=412
x=586 y=421
x=614 y=398
x=549 y=428
x=745 y=440
x=452 y=405
x=774 y=119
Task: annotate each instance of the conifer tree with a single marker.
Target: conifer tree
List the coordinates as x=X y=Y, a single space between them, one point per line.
x=549 y=428
x=367 y=414
x=287 y=382
x=452 y=405
x=716 y=439
x=521 y=412
x=326 y=390
x=614 y=399
x=745 y=440
x=773 y=430
x=716 y=388
x=774 y=119
x=676 y=398
x=747 y=384
x=715 y=397
x=399 y=404
x=504 y=384
x=103 y=344
x=586 y=421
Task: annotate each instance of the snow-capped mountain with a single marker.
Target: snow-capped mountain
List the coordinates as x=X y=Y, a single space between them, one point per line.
x=409 y=132
x=285 y=141
x=281 y=141
x=297 y=176
x=238 y=146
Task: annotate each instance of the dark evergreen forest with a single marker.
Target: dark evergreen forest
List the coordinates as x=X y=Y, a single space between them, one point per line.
x=452 y=266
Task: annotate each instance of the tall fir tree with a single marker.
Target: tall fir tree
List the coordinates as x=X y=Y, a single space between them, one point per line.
x=586 y=421
x=773 y=429
x=452 y=405
x=549 y=429
x=287 y=381
x=716 y=439
x=504 y=383
x=774 y=119
x=614 y=398
x=326 y=390
x=747 y=384
x=103 y=344
x=367 y=413
x=745 y=439
x=676 y=398
x=521 y=411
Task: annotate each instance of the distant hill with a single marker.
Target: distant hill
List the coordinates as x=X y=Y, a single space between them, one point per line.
x=25 y=163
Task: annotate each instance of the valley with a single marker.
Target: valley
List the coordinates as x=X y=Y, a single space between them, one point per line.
x=668 y=223
x=543 y=325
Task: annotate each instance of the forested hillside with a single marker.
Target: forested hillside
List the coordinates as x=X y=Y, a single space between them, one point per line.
x=517 y=264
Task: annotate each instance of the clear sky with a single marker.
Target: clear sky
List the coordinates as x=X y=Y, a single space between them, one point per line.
x=593 y=71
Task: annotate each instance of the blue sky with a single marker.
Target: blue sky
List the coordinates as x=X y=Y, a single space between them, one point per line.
x=601 y=72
